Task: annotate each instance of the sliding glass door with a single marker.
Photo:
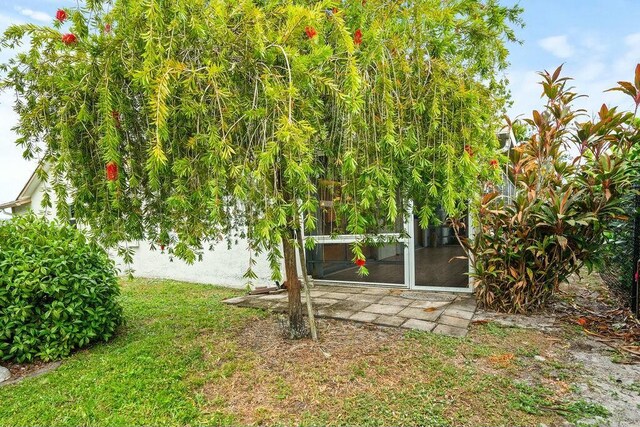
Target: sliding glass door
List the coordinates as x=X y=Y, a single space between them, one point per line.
x=408 y=256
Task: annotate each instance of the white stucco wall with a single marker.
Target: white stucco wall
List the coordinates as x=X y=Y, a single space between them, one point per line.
x=222 y=266
x=36 y=202
x=37 y=194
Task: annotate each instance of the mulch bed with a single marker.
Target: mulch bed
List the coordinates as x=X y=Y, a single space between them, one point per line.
x=601 y=314
x=20 y=371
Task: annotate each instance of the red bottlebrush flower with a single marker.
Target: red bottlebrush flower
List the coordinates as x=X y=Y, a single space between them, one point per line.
x=357 y=37
x=107 y=28
x=311 y=32
x=112 y=171
x=69 y=39
x=116 y=117
x=61 y=15
x=360 y=262
x=469 y=150
x=494 y=163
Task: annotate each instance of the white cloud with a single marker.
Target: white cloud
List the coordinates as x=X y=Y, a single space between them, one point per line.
x=595 y=63
x=625 y=65
x=591 y=70
x=558 y=46
x=35 y=14
x=14 y=170
x=632 y=39
x=525 y=92
x=593 y=44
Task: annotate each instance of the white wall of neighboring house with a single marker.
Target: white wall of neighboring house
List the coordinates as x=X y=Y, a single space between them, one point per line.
x=37 y=194
x=221 y=266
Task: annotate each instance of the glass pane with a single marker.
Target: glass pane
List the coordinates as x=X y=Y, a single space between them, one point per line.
x=435 y=257
x=333 y=261
x=329 y=193
x=330 y=222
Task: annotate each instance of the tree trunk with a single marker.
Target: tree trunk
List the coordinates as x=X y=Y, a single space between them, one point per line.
x=296 y=320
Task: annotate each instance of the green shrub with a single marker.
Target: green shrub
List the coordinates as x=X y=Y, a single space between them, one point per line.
x=58 y=291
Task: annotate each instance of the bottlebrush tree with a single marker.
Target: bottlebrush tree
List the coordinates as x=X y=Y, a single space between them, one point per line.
x=179 y=121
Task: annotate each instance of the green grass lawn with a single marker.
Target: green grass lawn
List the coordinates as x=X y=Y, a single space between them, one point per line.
x=184 y=358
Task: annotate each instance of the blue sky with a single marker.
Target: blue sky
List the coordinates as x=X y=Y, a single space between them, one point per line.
x=597 y=40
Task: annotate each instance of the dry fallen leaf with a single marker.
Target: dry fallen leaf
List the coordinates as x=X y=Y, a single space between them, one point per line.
x=502 y=360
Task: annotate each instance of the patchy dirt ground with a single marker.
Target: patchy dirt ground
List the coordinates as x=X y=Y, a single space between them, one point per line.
x=615 y=386
x=231 y=366
x=537 y=370
x=495 y=376
x=601 y=339
x=606 y=345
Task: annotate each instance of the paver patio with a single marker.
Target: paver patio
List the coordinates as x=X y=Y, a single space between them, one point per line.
x=439 y=312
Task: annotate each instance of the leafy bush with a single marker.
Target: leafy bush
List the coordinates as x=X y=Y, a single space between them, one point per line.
x=619 y=266
x=58 y=291
x=571 y=180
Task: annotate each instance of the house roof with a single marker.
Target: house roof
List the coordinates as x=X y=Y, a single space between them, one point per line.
x=507 y=138
x=15 y=203
x=24 y=197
